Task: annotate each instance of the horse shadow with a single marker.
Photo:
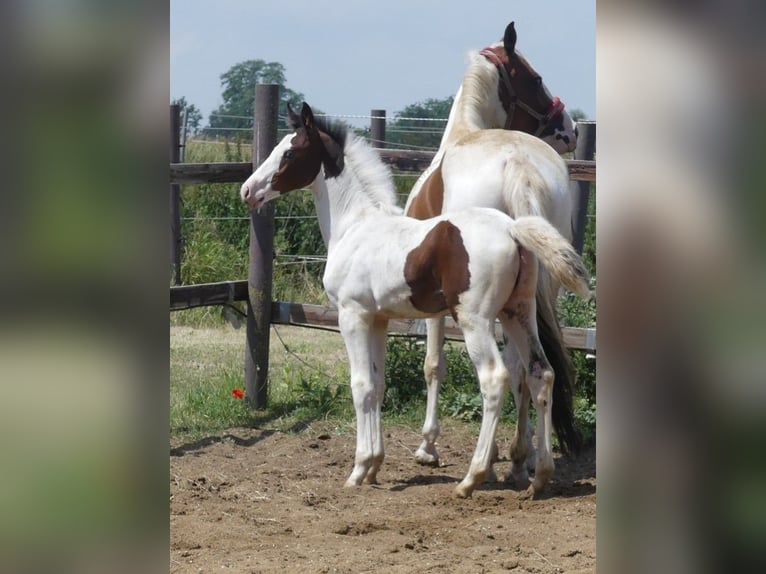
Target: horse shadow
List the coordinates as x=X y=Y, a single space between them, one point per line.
x=574 y=477
x=203 y=443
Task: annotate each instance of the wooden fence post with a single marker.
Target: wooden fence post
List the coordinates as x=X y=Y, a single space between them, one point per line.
x=378 y=128
x=261 y=255
x=580 y=190
x=175 y=196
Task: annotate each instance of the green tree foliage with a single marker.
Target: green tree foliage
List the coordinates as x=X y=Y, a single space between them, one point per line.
x=577 y=114
x=238 y=85
x=193 y=115
x=418 y=133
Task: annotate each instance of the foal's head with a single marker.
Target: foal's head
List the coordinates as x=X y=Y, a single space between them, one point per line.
x=296 y=160
x=525 y=98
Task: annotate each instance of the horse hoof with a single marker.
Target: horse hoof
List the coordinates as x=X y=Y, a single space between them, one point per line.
x=370 y=480
x=528 y=494
x=463 y=491
x=538 y=485
x=517 y=479
x=354 y=480
x=426 y=458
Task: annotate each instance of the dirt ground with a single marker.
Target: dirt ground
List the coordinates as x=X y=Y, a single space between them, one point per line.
x=259 y=500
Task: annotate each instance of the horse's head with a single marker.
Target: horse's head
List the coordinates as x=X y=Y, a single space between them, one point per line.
x=528 y=104
x=295 y=161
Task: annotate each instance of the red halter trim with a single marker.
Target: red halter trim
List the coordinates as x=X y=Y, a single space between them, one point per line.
x=497 y=56
x=555 y=109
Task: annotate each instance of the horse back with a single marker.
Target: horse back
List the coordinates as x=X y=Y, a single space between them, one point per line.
x=428 y=202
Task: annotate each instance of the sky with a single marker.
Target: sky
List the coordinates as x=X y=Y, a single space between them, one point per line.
x=348 y=57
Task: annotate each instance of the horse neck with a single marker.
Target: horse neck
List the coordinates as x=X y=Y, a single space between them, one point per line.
x=471 y=111
x=362 y=189
x=477 y=105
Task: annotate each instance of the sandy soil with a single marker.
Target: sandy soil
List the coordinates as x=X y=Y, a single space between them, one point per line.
x=259 y=500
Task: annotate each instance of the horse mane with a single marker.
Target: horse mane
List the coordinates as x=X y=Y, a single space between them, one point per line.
x=479 y=87
x=364 y=163
x=337 y=130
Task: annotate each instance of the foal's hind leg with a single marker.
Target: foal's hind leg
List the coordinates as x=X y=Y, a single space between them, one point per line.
x=521 y=400
x=494 y=380
x=522 y=448
x=434 y=369
x=539 y=382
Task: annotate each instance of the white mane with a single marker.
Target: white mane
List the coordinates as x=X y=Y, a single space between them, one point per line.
x=365 y=172
x=478 y=88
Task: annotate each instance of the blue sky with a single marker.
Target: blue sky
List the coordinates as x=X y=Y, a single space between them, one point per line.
x=348 y=57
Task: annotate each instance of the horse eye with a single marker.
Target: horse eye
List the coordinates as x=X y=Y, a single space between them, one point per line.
x=538 y=81
x=288 y=154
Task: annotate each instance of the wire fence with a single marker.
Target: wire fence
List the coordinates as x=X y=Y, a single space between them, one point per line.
x=434 y=127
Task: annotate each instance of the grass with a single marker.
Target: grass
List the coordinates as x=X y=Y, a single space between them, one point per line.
x=206 y=364
x=308 y=382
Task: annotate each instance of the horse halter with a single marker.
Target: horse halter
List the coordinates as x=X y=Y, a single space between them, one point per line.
x=555 y=109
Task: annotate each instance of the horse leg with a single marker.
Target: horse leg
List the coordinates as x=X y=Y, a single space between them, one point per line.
x=539 y=381
x=365 y=339
x=494 y=380
x=435 y=370
x=522 y=448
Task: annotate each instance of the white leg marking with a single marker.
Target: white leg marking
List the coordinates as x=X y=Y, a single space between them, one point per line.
x=365 y=340
x=493 y=380
x=435 y=370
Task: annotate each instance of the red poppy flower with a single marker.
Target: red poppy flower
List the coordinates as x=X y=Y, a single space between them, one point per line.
x=238 y=393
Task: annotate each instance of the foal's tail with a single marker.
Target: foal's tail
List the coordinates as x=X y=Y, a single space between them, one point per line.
x=564 y=265
x=554 y=252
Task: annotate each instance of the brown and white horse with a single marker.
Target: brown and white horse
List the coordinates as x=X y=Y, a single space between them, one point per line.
x=481 y=164
x=478 y=265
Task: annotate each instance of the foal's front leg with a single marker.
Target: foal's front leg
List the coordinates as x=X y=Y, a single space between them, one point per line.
x=434 y=369
x=365 y=338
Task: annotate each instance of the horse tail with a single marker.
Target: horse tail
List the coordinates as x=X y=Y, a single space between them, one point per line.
x=559 y=259
x=555 y=253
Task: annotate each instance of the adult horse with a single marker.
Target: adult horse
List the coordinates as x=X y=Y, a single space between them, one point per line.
x=516 y=173
x=479 y=265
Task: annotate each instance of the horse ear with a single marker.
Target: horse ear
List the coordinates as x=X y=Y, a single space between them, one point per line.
x=293 y=119
x=307 y=117
x=509 y=39
x=332 y=158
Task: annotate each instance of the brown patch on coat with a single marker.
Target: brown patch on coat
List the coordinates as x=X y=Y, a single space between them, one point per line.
x=429 y=201
x=437 y=270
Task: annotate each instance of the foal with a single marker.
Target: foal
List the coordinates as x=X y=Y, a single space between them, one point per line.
x=478 y=265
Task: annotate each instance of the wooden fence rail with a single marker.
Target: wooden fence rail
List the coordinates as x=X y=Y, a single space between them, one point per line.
x=302 y=315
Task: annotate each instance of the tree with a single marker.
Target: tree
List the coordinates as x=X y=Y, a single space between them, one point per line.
x=419 y=133
x=577 y=114
x=236 y=112
x=193 y=115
